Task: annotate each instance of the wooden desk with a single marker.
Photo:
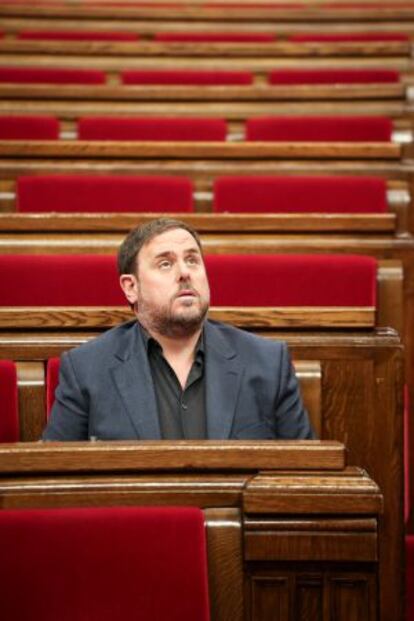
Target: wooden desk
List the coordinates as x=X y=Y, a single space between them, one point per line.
x=289 y=526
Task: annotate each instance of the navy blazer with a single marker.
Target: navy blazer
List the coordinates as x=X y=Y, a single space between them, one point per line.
x=106 y=390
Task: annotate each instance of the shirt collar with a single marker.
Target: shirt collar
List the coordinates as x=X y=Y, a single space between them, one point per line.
x=152 y=344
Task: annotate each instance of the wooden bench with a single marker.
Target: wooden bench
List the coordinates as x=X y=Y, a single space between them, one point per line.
x=262 y=503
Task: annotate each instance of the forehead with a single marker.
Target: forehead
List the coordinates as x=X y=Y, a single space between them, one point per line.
x=174 y=240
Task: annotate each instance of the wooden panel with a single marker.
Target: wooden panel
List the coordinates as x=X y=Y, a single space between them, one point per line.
x=32 y=399
x=225 y=564
x=270 y=598
x=309 y=374
x=350 y=598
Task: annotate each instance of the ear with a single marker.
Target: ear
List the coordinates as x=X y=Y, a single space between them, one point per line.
x=129 y=286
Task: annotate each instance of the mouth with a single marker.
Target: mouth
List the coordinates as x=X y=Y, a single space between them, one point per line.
x=185 y=293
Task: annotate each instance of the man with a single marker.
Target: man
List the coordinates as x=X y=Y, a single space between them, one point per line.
x=173 y=374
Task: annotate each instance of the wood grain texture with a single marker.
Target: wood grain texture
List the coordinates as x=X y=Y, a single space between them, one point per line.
x=160 y=455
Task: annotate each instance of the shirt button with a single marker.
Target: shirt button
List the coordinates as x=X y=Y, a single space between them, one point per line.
x=184 y=406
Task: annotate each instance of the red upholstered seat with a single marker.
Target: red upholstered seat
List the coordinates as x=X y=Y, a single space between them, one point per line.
x=184 y=76
x=104 y=564
x=9 y=418
x=300 y=194
x=152 y=128
x=319 y=129
x=59 y=280
x=52 y=380
x=28 y=128
x=348 y=36
x=110 y=193
x=292 y=280
x=332 y=76
x=77 y=35
x=224 y=37
x=46 y=75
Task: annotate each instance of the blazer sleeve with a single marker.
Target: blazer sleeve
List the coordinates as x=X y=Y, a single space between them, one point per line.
x=292 y=421
x=69 y=416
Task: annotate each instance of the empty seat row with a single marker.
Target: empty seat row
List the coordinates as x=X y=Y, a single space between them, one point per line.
x=272 y=128
x=48 y=75
x=233 y=194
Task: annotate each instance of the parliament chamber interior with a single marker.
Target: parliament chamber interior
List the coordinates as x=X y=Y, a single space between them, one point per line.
x=282 y=131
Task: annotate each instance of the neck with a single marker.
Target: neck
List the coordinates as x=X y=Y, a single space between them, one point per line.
x=177 y=346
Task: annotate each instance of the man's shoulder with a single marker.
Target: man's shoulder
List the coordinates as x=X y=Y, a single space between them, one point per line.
x=241 y=339
x=106 y=342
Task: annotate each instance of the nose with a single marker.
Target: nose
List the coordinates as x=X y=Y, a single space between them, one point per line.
x=183 y=271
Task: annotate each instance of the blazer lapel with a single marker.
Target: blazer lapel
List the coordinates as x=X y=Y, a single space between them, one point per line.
x=223 y=376
x=133 y=380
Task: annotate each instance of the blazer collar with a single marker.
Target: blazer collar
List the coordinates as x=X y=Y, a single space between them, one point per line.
x=223 y=374
x=132 y=377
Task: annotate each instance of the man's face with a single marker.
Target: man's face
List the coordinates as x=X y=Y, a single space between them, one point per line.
x=172 y=293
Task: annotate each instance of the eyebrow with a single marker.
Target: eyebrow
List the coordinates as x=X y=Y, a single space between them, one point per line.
x=169 y=253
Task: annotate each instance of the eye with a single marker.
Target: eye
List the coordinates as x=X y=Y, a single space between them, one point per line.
x=193 y=259
x=165 y=264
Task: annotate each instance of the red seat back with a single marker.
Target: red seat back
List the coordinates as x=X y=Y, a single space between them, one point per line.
x=319 y=129
x=300 y=194
x=9 y=418
x=110 y=193
x=151 y=128
x=103 y=564
x=292 y=280
x=46 y=75
x=59 y=280
x=186 y=76
x=332 y=76
x=28 y=128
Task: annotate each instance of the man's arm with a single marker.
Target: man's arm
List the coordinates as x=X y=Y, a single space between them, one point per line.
x=292 y=421
x=70 y=412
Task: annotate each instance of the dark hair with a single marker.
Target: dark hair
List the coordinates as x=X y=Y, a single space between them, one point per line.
x=141 y=235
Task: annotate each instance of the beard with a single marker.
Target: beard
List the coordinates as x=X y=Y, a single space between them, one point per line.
x=173 y=319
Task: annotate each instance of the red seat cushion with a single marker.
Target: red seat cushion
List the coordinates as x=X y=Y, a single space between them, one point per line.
x=76 y=35
x=42 y=75
x=292 y=280
x=102 y=564
x=181 y=77
x=300 y=194
x=348 y=36
x=52 y=380
x=9 y=418
x=319 y=129
x=29 y=128
x=151 y=128
x=332 y=76
x=224 y=37
x=59 y=280
x=110 y=193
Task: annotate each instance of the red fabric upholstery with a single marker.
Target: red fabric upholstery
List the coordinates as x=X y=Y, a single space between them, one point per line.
x=349 y=36
x=52 y=380
x=300 y=194
x=104 y=564
x=29 y=128
x=9 y=418
x=78 y=193
x=409 y=556
x=292 y=280
x=225 y=37
x=132 y=76
x=332 y=76
x=151 y=128
x=59 y=280
x=76 y=35
x=42 y=75
x=319 y=129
